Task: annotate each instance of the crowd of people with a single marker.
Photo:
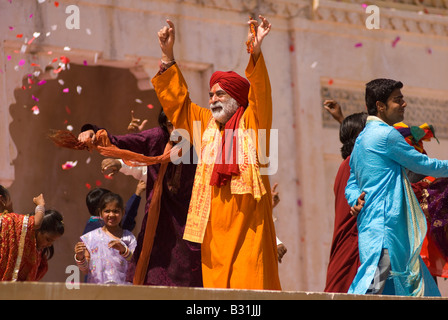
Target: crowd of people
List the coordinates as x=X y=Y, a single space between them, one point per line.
x=209 y=223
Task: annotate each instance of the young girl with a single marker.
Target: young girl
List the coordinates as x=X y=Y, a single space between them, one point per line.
x=26 y=241
x=104 y=253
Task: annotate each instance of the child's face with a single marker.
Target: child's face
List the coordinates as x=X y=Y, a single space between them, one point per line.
x=45 y=239
x=112 y=214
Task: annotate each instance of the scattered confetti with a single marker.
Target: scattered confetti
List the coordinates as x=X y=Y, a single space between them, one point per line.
x=314 y=64
x=429 y=50
x=394 y=43
x=98 y=183
x=61 y=82
x=34 y=98
x=64 y=59
x=85 y=62
x=8 y=57
x=41 y=1
x=41 y=82
x=21 y=62
x=36 y=34
x=69 y=165
x=358 y=45
x=70 y=127
x=88 y=186
x=67 y=48
x=88 y=160
x=67 y=109
x=65 y=90
x=19 y=35
x=150 y=106
x=330 y=82
x=35 y=110
x=56 y=4
x=138 y=101
x=107 y=176
x=78 y=89
x=89 y=32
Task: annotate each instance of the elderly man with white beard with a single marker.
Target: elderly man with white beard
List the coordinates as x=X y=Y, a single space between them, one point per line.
x=230 y=211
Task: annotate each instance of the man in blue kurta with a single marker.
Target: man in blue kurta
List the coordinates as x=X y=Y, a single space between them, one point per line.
x=391 y=224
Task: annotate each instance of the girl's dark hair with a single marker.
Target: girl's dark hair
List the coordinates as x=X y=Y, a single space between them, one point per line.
x=93 y=199
x=350 y=128
x=110 y=197
x=162 y=120
x=52 y=223
x=4 y=192
x=379 y=90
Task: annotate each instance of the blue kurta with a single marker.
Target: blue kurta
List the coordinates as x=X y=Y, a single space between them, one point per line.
x=391 y=217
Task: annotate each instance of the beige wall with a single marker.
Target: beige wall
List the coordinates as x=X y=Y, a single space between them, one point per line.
x=305 y=50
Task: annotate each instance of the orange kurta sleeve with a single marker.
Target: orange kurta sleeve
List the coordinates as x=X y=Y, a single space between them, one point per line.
x=258 y=115
x=172 y=91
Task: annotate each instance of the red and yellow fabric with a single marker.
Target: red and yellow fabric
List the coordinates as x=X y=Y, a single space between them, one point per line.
x=19 y=258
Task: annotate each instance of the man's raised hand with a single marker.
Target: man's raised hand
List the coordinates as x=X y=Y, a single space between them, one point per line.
x=166 y=40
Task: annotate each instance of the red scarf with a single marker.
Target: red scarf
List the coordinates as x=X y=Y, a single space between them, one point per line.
x=226 y=161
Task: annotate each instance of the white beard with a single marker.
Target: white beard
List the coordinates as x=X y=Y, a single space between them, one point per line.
x=226 y=110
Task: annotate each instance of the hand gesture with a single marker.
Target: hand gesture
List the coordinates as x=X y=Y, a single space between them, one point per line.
x=354 y=211
x=117 y=245
x=110 y=166
x=80 y=249
x=135 y=125
x=334 y=109
x=275 y=197
x=261 y=31
x=166 y=40
x=87 y=135
x=39 y=200
x=141 y=186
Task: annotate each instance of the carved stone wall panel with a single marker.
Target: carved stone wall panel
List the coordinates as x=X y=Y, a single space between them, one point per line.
x=420 y=109
x=420 y=22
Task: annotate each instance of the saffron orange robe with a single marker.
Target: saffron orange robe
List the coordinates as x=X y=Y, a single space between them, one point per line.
x=239 y=246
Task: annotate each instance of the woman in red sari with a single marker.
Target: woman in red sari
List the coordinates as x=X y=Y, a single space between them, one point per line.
x=26 y=241
x=344 y=255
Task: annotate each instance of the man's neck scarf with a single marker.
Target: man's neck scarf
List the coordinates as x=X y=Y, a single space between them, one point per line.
x=226 y=162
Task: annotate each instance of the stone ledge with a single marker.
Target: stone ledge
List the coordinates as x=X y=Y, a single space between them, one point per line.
x=59 y=291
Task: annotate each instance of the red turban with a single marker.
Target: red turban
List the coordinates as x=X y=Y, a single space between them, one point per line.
x=226 y=164
x=233 y=84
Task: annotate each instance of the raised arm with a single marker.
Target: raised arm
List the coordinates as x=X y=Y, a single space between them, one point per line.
x=261 y=31
x=172 y=90
x=39 y=211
